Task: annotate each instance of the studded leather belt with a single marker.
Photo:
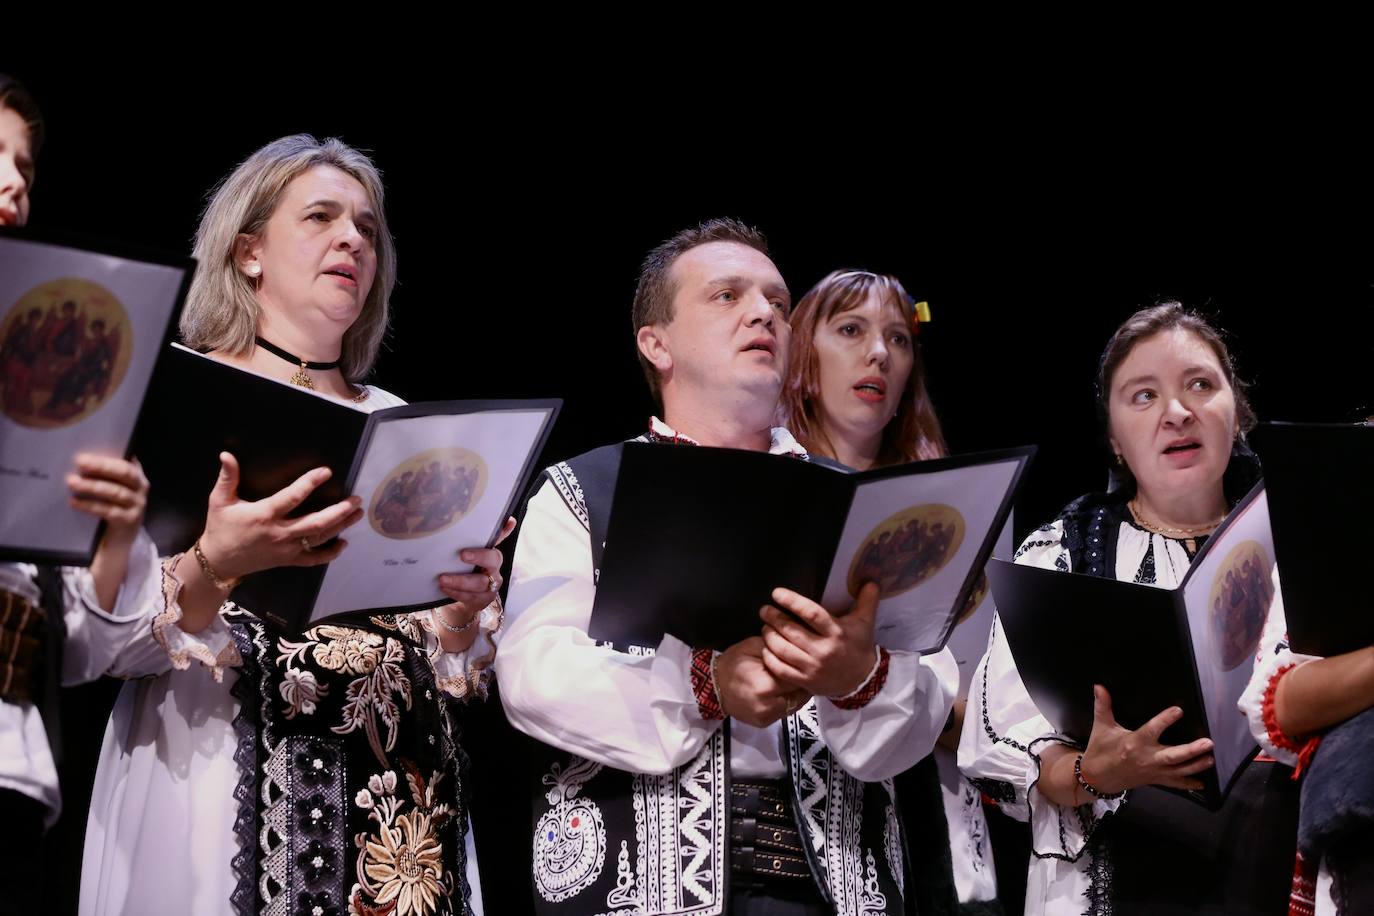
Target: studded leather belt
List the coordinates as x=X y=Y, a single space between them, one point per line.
x=764 y=842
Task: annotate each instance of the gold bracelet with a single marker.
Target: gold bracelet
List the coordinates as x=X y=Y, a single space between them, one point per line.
x=224 y=585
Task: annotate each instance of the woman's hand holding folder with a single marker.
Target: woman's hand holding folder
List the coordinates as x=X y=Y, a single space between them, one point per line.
x=243 y=537
x=471 y=592
x=1118 y=759
x=116 y=491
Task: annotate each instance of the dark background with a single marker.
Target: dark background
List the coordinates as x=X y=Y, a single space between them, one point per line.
x=520 y=218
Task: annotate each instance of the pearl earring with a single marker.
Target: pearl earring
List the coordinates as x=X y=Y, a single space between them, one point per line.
x=254 y=270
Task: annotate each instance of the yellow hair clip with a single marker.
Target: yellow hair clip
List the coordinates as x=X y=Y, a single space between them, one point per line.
x=922 y=310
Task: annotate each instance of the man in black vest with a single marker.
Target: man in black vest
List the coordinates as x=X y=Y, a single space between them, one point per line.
x=646 y=801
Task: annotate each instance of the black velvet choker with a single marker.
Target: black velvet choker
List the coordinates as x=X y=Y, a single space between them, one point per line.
x=293 y=358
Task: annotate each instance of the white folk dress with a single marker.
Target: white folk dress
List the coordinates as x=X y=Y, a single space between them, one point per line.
x=160 y=836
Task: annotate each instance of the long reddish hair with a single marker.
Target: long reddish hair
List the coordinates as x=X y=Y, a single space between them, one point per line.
x=913 y=433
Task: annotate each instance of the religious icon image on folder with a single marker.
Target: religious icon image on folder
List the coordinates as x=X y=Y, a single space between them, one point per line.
x=81 y=324
x=433 y=478
x=1191 y=646
x=698 y=538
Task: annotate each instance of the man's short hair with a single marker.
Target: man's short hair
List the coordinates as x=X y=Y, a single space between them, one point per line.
x=653 y=303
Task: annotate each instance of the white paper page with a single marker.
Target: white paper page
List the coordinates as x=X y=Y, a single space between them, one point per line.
x=969 y=640
x=71 y=378
x=462 y=470
x=1228 y=595
x=918 y=536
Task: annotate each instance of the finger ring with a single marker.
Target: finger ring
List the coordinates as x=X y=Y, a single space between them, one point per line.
x=305 y=544
x=491 y=582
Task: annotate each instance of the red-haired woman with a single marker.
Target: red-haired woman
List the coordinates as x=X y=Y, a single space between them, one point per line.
x=856 y=394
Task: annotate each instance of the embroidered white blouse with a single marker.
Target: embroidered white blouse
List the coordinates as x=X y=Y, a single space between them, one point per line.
x=638 y=712
x=160 y=833
x=1004 y=731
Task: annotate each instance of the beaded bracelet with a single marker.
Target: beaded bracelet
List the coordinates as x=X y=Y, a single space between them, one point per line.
x=1092 y=790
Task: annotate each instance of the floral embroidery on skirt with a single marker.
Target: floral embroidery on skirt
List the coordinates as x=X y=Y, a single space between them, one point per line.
x=337 y=713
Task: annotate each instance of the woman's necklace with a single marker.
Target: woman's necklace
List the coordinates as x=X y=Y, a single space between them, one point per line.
x=1187 y=535
x=300 y=378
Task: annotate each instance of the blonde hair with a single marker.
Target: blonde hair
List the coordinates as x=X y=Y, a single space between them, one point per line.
x=222 y=309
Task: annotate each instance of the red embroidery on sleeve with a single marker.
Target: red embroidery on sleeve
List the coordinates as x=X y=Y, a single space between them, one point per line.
x=703 y=687
x=865 y=694
x=1276 y=734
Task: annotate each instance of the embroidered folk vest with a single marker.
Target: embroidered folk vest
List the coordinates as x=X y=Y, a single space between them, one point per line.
x=614 y=843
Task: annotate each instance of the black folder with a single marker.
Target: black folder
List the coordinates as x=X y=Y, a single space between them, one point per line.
x=1321 y=489
x=698 y=538
x=200 y=407
x=1151 y=647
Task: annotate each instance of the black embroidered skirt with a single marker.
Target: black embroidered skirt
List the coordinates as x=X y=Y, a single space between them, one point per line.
x=351 y=775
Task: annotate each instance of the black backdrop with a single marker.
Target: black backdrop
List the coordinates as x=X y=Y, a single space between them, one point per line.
x=520 y=220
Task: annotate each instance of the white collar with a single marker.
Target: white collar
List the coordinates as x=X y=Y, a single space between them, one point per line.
x=781 y=441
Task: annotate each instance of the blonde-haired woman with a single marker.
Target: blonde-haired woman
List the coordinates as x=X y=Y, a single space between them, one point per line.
x=315 y=773
x=234 y=297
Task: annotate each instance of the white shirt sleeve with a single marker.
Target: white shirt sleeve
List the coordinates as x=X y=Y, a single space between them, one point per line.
x=1273 y=660
x=138 y=637
x=900 y=725
x=635 y=713
x=1005 y=732
x=96 y=636
x=155 y=643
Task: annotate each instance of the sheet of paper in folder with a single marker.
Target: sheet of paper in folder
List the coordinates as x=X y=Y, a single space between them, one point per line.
x=81 y=327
